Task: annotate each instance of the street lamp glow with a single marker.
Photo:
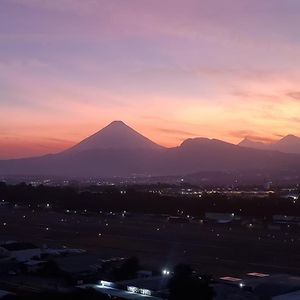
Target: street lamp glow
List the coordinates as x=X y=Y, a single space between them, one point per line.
x=165 y=272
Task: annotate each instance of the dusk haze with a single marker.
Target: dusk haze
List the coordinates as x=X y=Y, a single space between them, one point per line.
x=171 y=69
x=150 y=149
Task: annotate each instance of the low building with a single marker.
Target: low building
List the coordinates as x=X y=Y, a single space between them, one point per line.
x=20 y=251
x=155 y=286
x=271 y=286
x=284 y=219
x=33 y=266
x=5 y=293
x=116 y=293
x=176 y=219
x=229 y=292
x=221 y=218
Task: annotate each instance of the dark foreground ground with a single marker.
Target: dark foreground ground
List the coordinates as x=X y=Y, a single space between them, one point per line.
x=220 y=250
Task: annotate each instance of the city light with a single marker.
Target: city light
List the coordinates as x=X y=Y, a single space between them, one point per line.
x=132 y=289
x=145 y=292
x=165 y=272
x=106 y=283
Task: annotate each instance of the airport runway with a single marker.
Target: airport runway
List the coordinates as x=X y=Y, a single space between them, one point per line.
x=220 y=250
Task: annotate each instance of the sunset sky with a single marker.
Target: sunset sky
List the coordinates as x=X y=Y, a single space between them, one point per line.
x=171 y=69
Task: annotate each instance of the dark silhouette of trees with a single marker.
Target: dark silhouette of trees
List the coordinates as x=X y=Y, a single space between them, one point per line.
x=138 y=199
x=185 y=285
x=50 y=269
x=127 y=270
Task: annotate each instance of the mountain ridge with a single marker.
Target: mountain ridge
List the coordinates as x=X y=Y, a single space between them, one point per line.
x=287 y=144
x=118 y=150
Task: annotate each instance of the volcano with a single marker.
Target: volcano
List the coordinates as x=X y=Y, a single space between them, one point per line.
x=116 y=135
x=118 y=150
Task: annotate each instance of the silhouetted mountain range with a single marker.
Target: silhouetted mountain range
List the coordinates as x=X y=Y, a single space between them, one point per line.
x=288 y=144
x=118 y=150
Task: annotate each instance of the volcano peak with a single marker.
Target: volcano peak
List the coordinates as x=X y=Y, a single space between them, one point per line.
x=116 y=135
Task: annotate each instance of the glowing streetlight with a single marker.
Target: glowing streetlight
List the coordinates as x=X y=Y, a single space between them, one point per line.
x=165 y=272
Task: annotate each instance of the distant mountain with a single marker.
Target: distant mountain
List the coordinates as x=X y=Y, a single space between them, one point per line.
x=118 y=150
x=116 y=135
x=214 y=155
x=246 y=142
x=288 y=144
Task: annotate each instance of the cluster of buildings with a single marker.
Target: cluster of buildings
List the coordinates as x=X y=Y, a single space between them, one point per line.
x=85 y=270
x=253 y=286
x=277 y=222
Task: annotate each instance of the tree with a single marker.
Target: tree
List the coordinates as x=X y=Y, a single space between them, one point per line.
x=185 y=285
x=50 y=269
x=127 y=270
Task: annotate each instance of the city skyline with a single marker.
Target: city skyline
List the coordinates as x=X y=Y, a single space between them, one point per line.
x=172 y=70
